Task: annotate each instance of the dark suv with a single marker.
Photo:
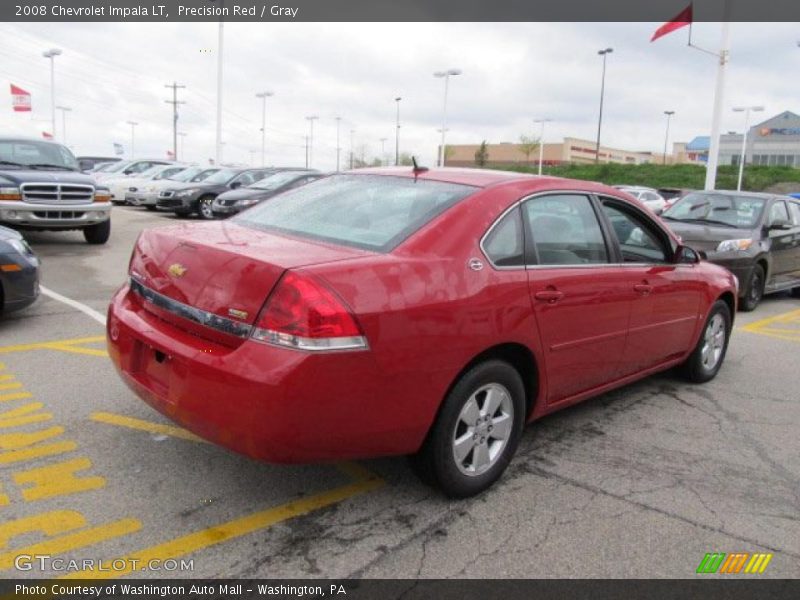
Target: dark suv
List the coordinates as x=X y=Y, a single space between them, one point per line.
x=199 y=197
x=756 y=236
x=41 y=188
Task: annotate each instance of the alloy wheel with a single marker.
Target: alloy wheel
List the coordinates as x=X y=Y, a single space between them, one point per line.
x=713 y=342
x=483 y=429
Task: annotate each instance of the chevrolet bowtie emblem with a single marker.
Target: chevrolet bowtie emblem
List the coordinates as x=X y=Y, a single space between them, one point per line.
x=176 y=270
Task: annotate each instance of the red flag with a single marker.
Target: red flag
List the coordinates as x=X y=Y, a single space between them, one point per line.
x=683 y=19
x=47 y=136
x=20 y=99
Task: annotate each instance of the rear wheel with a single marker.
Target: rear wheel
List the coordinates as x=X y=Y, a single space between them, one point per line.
x=204 y=207
x=755 y=289
x=796 y=292
x=476 y=433
x=98 y=234
x=706 y=360
x=150 y=207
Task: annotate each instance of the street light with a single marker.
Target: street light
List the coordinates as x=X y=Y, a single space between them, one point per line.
x=604 y=54
x=746 y=110
x=541 y=140
x=51 y=54
x=446 y=75
x=264 y=96
x=397 y=135
x=133 y=125
x=310 y=145
x=669 y=114
x=64 y=110
x=383 y=151
x=352 y=134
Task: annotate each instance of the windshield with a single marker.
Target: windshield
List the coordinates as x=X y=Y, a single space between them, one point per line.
x=742 y=212
x=367 y=211
x=118 y=166
x=275 y=181
x=26 y=152
x=223 y=176
x=185 y=174
x=151 y=172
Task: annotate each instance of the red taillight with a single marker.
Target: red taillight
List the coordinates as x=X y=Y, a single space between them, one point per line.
x=302 y=313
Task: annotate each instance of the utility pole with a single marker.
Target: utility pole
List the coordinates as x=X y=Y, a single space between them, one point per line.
x=51 y=54
x=219 y=90
x=310 y=142
x=133 y=124
x=604 y=54
x=182 y=135
x=64 y=110
x=305 y=137
x=383 y=151
x=352 y=133
x=175 y=87
x=338 y=148
x=397 y=135
x=669 y=114
x=264 y=96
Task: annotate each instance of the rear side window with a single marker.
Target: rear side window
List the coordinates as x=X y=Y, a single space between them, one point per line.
x=373 y=212
x=778 y=212
x=565 y=230
x=505 y=245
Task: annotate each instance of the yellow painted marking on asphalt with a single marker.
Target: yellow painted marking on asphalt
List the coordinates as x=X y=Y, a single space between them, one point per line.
x=13 y=456
x=15 y=396
x=6 y=377
x=785 y=326
x=72 y=541
x=74 y=345
x=142 y=425
x=22 y=415
x=224 y=532
x=59 y=479
x=14 y=385
x=4 y=500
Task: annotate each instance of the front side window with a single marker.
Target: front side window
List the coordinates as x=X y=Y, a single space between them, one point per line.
x=223 y=176
x=777 y=213
x=794 y=208
x=637 y=238
x=505 y=245
x=564 y=230
x=366 y=211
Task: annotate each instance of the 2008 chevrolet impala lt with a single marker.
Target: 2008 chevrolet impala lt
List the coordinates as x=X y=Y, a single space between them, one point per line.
x=411 y=311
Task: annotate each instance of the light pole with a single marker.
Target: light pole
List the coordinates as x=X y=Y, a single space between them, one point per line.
x=383 y=151
x=397 y=135
x=133 y=125
x=446 y=75
x=541 y=140
x=352 y=133
x=264 y=96
x=64 y=110
x=220 y=43
x=51 y=54
x=669 y=114
x=310 y=153
x=746 y=110
x=182 y=135
x=338 y=147
x=604 y=54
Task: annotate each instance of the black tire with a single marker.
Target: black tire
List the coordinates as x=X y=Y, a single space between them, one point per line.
x=696 y=369
x=796 y=292
x=755 y=290
x=436 y=463
x=97 y=234
x=204 y=208
x=182 y=214
x=150 y=207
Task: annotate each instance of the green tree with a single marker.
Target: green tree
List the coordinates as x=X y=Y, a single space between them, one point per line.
x=482 y=154
x=405 y=159
x=527 y=145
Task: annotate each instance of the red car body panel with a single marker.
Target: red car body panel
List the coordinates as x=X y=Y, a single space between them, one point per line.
x=426 y=316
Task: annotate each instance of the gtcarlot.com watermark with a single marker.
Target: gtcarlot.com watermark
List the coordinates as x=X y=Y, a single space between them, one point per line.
x=45 y=562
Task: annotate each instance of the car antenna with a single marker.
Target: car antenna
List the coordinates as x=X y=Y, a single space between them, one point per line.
x=417 y=168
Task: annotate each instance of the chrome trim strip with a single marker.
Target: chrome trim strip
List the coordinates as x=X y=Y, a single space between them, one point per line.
x=191 y=313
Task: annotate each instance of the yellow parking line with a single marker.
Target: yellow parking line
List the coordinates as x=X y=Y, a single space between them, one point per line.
x=755 y=325
x=67 y=345
x=142 y=425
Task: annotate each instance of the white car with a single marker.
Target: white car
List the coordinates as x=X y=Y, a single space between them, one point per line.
x=647 y=196
x=127 y=168
x=147 y=195
x=120 y=186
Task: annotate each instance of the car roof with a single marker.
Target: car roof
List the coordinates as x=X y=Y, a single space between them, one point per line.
x=739 y=193
x=464 y=176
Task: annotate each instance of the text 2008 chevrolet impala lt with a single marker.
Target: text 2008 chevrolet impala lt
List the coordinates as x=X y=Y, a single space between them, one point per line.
x=411 y=311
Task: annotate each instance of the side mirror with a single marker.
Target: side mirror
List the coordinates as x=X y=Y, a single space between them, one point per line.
x=780 y=225
x=128 y=171
x=685 y=255
x=236 y=184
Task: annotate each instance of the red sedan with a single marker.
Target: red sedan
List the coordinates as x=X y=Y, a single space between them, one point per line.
x=422 y=312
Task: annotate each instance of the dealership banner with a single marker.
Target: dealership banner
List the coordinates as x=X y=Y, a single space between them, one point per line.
x=392 y=10
x=20 y=99
x=408 y=589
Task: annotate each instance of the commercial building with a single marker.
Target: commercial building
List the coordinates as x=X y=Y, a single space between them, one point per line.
x=775 y=141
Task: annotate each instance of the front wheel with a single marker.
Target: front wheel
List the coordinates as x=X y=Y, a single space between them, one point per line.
x=97 y=234
x=476 y=433
x=755 y=290
x=706 y=360
x=204 y=207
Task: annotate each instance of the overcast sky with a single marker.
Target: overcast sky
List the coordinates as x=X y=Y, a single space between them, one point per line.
x=512 y=73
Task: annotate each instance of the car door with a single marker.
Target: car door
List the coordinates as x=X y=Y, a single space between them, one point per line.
x=783 y=244
x=664 y=310
x=579 y=299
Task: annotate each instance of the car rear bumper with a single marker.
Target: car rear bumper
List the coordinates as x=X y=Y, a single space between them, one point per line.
x=20 y=288
x=53 y=216
x=269 y=403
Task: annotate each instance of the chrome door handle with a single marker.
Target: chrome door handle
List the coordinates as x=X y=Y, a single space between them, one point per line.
x=643 y=288
x=549 y=296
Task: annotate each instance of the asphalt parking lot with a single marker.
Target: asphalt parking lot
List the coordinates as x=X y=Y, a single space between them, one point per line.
x=642 y=482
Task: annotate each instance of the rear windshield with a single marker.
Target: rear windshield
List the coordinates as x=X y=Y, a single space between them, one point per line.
x=373 y=212
x=727 y=210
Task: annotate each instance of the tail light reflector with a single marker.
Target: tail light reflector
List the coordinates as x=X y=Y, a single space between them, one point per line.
x=303 y=313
